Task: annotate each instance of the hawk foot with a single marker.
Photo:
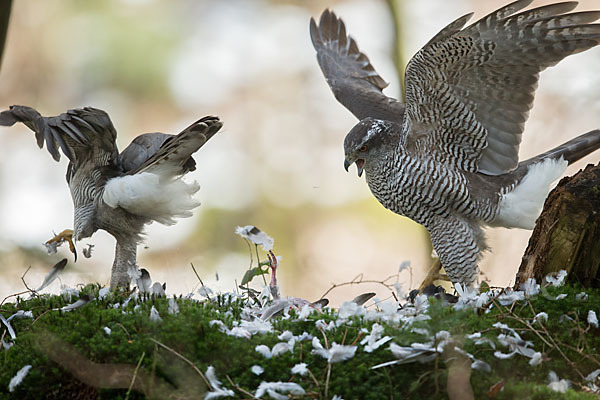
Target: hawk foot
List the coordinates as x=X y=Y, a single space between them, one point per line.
x=57 y=240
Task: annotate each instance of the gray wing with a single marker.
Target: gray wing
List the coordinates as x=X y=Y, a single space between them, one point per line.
x=469 y=91
x=173 y=155
x=351 y=77
x=141 y=149
x=81 y=134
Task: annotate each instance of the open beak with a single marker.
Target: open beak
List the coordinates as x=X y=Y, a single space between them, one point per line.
x=360 y=163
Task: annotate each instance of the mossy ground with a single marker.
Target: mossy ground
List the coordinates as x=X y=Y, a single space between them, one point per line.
x=571 y=348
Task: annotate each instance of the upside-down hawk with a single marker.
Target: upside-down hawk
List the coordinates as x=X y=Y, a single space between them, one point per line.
x=448 y=157
x=119 y=193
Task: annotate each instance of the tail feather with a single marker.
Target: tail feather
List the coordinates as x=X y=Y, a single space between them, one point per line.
x=571 y=151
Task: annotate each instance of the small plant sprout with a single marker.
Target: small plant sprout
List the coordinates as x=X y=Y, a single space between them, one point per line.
x=251 y=234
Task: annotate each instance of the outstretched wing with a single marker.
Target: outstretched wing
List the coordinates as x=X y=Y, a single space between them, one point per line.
x=79 y=133
x=350 y=75
x=469 y=91
x=174 y=154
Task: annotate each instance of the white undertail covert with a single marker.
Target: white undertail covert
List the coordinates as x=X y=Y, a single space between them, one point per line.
x=148 y=194
x=521 y=207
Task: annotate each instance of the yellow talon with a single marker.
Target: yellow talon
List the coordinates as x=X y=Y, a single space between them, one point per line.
x=433 y=275
x=64 y=236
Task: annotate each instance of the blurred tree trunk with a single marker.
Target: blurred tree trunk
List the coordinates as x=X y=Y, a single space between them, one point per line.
x=567 y=233
x=398 y=53
x=5 y=6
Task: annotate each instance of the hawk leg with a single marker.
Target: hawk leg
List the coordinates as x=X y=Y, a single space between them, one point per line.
x=433 y=275
x=459 y=244
x=124 y=267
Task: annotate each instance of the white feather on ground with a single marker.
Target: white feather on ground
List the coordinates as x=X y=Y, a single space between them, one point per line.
x=18 y=378
x=521 y=207
x=158 y=197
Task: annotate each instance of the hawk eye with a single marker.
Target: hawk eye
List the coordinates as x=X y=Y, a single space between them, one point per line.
x=363 y=148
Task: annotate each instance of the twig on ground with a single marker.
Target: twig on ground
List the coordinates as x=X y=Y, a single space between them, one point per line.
x=25 y=283
x=314 y=379
x=358 y=279
x=327 y=380
x=135 y=372
x=14 y=295
x=239 y=388
x=125 y=330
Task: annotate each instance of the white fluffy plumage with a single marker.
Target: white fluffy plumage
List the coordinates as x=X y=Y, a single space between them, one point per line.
x=158 y=197
x=521 y=207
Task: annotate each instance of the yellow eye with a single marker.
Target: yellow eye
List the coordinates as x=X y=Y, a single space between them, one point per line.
x=363 y=148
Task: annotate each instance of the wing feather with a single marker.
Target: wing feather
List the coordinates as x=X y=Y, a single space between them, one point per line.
x=349 y=73
x=469 y=91
x=78 y=133
x=176 y=151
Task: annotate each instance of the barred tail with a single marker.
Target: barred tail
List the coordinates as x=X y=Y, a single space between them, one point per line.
x=573 y=150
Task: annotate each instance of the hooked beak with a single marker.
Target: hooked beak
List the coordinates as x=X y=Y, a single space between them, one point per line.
x=359 y=165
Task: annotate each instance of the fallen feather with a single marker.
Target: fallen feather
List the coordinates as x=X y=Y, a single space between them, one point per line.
x=11 y=331
x=510 y=296
x=583 y=296
x=18 y=378
x=540 y=317
x=173 y=307
x=557 y=385
x=300 y=369
x=374 y=340
x=334 y=354
x=559 y=280
x=204 y=291
x=592 y=376
x=102 y=293
x=481 y=366
x=536 y=359
x=277 y=389
x=20 y=314
x=158 y=290
x=144 y=282
x=264 y=351
x=154 y=315
x=530 y=287
x=218 y=390
x=257 y=370
x=53 y=274
x=281 y=348
x=83 y=300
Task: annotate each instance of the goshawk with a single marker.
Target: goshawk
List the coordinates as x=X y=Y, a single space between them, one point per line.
x=448 y=158
x=119 y=193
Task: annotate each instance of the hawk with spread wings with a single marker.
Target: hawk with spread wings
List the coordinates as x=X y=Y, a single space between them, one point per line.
x=119 y=192
x=448 y=158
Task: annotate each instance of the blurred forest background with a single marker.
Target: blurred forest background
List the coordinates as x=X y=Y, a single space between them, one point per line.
x=158 y=65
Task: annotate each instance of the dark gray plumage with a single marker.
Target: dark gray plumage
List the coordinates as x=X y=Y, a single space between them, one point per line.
x=448 y=158
x=119 y=193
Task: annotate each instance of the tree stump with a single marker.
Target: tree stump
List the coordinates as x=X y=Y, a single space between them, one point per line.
x=567 y=233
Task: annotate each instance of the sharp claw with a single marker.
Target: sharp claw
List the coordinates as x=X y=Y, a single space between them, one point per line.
x=57 y=240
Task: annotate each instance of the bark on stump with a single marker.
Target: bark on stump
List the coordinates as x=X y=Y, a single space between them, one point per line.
x=567 y=233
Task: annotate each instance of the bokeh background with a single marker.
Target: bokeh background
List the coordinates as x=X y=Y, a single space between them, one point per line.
x=158 y=65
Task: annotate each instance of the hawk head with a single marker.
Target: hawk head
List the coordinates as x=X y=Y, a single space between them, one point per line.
x=365 y=142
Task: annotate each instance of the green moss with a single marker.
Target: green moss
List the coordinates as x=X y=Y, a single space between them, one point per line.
x=190 y=334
